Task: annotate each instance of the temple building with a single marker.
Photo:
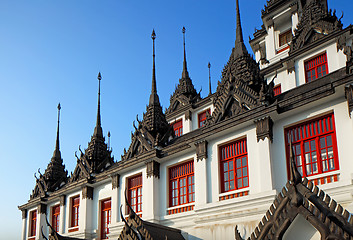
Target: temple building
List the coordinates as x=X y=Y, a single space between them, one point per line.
x=266 y=156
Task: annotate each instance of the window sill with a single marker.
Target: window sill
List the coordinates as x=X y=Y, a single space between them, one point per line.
x=32 y=238
x=73 y=229
x=324 y=178
x=234 y=194
x=181 y=208
x=282 y=48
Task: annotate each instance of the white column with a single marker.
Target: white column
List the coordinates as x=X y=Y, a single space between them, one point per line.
x=115 y=200
x=24 y=224
x=270 y=43
x=41 y=222
x=200 y=182
x=150 y=197
x=264 y=147
x=86 y=214
x=62 y=218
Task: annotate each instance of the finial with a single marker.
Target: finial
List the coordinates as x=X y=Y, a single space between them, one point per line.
x=108 y=139
x=154 y=99
x=98 y=129
x=240 y=48
x=185 y=73
x=57 y=146
x=209 y=77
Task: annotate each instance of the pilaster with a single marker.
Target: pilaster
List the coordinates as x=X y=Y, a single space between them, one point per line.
x=24 y=224
x=41 y=221
x=200 y=173
x=86 y=208
x=150 y=192
x=115 y=217
x=62 y=214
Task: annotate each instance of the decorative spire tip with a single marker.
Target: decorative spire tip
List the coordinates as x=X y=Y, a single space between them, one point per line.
x=99 y=76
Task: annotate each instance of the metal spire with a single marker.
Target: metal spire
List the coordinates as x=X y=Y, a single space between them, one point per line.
x=240 y=48
x=209 y=77
x=154 y=99
x=57 y=146
x=98 y=129
x=185 y=73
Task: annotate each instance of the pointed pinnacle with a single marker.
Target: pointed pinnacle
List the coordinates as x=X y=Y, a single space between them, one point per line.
x=209 y=77
x=240 y=49
x=185 y=73
x=99 y=76
x=57 y=153
x=98 y=129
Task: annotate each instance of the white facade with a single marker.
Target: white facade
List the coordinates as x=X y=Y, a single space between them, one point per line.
x=214 y=212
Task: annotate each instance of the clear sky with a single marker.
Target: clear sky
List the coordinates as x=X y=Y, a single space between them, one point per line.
x=51 y=52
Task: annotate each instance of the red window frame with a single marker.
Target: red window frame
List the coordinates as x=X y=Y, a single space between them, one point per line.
x=181 y=184
x=106 y=213
x=316 y=67
x=202 y=117
x=75 y=210
x=234 y=165
x=135 y=192
x=178 y=127
x=55 y=217
x=315 y=146
x=277 y=90
x=285 y=37
x=33 y=222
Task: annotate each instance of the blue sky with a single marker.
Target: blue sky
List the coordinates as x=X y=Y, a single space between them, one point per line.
x=51 y=51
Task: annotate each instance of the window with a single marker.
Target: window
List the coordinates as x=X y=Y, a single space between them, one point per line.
x=277 y=90
x=75 y=207
x=285 y=38
x=178 y=128
x=135 y=193
x=105 y=217
x=55 y=217
x=202 y=117
x=33 y=223
x=234 y=166
x=314 y=144
x=316 y=67
x=181 y=184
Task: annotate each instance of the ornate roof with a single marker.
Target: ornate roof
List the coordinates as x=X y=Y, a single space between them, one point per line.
x=137 y=229
x=242 y=87
x=185 y=92
x=272 y=4
x=301 y=197
x=153 y=131
x=316 y=22
x=55 y=175
x=97 y=157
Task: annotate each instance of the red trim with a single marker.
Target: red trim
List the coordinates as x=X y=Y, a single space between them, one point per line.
x=178 y=128
x=73 y=230
x=277 y=90
x=55 y=217
x=135 y=193
x=316 y=67
x=202 y=117
x=315 y=146
x=283 y=49
x=181 y=209
x=234 y=195
x=33 y=221
x=181 y=184
x=106 y=206
x=75 y=209
x=234 y=166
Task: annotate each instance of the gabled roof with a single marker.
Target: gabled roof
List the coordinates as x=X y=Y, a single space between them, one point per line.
x=185 y=93
x=301 y=197
x=154 y=130
x=315 y=23
x=97 y=157
x=55 y=174
x=242 y=87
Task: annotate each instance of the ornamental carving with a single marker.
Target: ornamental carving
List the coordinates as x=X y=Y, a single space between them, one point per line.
x=42 y=208
x=63 y=200
x=115 y=181
x=349 y=97
x=152 y=169
x=264 y=129
x=201 y=150
x=315 y=23
x=24 y=213
x=347 y=50
x=87 y=192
